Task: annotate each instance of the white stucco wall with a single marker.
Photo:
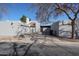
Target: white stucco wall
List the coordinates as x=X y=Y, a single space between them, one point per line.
x=55 y=27
x=65 y=30
x=37 y=26
x=62 y=30
x=7 y=29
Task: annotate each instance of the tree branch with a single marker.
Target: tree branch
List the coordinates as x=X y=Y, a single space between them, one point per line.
x=72 y=10
x=58 y=7
x=76 y=14
x=65 y=13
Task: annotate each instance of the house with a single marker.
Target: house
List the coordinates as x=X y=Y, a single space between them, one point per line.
x=13 y=27
x=64 y=29
x=55 y=28
x=45 y=29
x=6 y=27
x=60 y=28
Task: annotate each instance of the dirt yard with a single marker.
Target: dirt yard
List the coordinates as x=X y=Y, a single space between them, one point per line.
x=37 y=46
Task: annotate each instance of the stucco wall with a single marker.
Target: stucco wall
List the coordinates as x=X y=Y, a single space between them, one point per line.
x=7 y=29
x=60 y=29
x=55 y=28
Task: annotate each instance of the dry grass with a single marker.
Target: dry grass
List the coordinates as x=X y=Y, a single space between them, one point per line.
x=68 y=39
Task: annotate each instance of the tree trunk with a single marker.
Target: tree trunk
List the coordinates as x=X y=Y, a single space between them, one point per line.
x=73 y=29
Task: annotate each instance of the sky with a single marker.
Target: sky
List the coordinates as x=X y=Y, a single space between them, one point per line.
x=16 y=10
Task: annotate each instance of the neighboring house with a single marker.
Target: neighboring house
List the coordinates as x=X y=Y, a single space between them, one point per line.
x=13 y=27
x=7 y=28
x=35 y=26
x=77 y=28
x=55 y=28
x=64 y=29
x=50 y=28
x=60 y=28
x=45 y=29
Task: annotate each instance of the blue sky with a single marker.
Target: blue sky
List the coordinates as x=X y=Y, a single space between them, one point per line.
x=16 y=10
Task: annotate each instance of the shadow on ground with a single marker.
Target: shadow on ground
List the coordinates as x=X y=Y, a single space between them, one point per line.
x=20 y=49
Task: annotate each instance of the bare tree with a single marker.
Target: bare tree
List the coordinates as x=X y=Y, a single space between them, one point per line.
x=46 y=10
